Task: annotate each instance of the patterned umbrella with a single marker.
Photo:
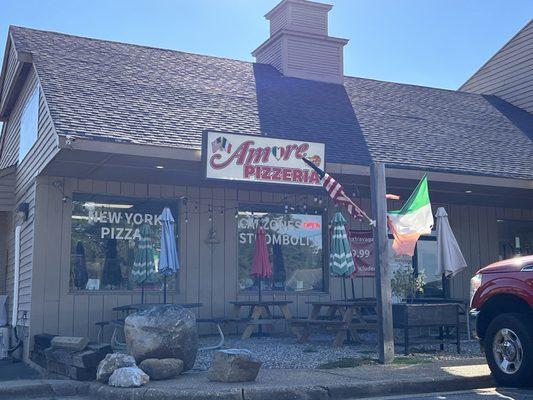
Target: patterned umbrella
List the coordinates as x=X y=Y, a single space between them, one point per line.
x=261 y=267
x=168 y=259
x=144 y=266
x=340 y=257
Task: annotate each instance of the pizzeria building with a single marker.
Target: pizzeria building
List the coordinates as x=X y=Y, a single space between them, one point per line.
x=98 y=137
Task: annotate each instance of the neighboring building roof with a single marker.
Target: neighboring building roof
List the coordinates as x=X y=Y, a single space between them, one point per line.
x=508 y=73
x=114 y=91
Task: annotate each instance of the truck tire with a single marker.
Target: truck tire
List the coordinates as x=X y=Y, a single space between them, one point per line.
x=509 y=349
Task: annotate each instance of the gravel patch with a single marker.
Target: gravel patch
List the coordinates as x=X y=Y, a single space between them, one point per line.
x=286 y=352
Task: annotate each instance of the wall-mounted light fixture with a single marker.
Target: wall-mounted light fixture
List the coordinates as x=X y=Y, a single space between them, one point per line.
x=23 y=210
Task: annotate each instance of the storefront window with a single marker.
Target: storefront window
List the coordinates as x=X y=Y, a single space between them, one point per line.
x=515 y=238
x=105 y=238
x=423 y=261
x=294 y=243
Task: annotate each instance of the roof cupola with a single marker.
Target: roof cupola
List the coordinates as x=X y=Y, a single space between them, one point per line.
x=299 y=45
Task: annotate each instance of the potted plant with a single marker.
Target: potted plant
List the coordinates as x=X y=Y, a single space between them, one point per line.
x=405 y=285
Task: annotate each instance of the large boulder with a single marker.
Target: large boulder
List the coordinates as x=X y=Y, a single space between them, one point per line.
x=166 y=331
x=165 y=368
x=234 y=365
x=128 y=377
x=112 y=362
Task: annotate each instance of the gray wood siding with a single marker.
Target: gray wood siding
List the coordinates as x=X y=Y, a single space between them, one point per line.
x=272 y=55
x=307 y=58
x=300 y=17
x=26 y=171
x=7 y=189
x=278 y=22
x=10 y=71
x=208 y=272
x=307 y=19
x=4 y=235
x=509 y=73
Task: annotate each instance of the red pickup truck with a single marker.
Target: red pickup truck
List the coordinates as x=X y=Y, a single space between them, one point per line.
x=502 y=306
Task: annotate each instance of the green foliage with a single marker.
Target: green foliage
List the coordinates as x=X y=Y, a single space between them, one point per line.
x=405 y=284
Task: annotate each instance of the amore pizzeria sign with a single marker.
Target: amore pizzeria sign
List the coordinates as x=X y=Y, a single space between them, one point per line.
x=261 y=159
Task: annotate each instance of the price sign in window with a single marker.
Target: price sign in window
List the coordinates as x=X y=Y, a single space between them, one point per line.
x=362 y=243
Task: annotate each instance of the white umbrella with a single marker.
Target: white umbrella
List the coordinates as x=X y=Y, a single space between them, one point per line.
x=450 y=260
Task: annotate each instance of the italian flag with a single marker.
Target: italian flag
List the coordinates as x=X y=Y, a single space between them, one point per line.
x=412 y=220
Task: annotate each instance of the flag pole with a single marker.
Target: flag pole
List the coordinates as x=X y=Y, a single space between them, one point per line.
x=383 y=276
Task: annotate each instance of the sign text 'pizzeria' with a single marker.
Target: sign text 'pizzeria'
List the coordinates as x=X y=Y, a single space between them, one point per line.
x=261 y=159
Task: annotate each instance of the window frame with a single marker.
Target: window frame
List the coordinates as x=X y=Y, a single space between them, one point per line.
x=279 y=209
x=173 y=204
x=35 y=95
x=432 y=237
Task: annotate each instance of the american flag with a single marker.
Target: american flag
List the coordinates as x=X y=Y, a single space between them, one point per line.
x=338 y=195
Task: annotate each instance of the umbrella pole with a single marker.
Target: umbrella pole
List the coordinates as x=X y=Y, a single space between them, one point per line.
x=260 y=288
x=165 y=289
x=353 y=289
x=344 y=286
x=142 y=292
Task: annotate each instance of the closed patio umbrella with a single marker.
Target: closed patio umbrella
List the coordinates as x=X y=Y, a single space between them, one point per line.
x=279 y=273
x=450 y=260
x=111 y=273
x=80 y=267
x=168 y=258
x=261 y=267
x=340 y=257
x=144 y=266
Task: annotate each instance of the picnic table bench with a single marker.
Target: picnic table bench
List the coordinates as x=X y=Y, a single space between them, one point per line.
x=260 y=313
x=341 y=317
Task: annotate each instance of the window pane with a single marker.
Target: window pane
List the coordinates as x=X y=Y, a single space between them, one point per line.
x=29 y=124
x=294 y=243
x=115 y=244
x=426 y=254
x=515 y=238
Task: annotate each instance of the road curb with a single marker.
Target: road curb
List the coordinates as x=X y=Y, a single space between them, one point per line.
x=44 y=388
x=25 y=389
x=329 y=392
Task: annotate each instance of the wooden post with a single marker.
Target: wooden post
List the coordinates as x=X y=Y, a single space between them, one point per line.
x=383 y=278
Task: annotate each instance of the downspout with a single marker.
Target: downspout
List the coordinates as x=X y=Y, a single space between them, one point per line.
x=14 y=315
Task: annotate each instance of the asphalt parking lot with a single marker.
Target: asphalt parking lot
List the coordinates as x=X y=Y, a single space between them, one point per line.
x=478 y=394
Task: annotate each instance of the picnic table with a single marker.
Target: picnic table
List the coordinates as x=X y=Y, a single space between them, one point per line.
x=260 y=313
x=351 y=319
x=144 y=306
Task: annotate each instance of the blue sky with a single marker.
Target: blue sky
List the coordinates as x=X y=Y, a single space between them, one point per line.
x=436 y=43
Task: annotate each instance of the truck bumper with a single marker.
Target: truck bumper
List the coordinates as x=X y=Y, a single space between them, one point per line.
x=472 y=320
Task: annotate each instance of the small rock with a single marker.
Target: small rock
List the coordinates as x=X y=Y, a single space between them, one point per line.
x=166 y=331
x=165 y=368
x=112 y=362
x=128 y=377
x=234 y=365
x=69 y=342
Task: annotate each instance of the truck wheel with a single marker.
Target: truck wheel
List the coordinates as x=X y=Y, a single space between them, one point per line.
x=509 y=349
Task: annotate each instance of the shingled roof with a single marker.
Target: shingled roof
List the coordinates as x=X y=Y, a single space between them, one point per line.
x=115 y=91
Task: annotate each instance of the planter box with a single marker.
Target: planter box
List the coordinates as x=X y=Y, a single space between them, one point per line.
x=439 y=315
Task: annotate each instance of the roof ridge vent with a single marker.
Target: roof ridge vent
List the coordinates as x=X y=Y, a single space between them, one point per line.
x=299 y=45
